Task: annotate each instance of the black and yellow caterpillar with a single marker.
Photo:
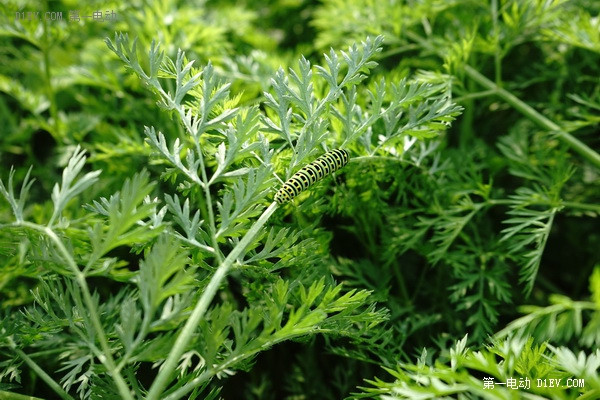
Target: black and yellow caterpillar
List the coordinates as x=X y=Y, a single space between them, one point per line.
x=311 y=173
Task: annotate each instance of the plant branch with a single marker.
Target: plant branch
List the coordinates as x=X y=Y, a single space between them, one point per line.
x=186 y=335
x=108 y=360
x=577 y=145
x=39 y=371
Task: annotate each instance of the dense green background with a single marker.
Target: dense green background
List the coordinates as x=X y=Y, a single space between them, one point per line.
x=429 y=235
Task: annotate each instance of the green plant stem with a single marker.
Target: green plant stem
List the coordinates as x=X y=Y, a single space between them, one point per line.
x=539 y=312
x=206 y=183
x=231 y=361
x=186 y=335
x=527 y=277
x=582 y=206
x=144 y=329
x=210 y=372
x=15 y=396
x=466 y=128
x=400 y=282
x=398 y=50
x=568 y=204
x=493 y=202
x=107 y=360
x=474 y=96
x=209 y=205
x=39 y=371
x=579 y=147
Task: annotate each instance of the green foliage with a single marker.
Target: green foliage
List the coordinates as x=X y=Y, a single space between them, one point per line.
x=563 y=321
x=141 y=252
x=509 y=369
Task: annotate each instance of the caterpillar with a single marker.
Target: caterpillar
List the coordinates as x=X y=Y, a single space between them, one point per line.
x=311 y=173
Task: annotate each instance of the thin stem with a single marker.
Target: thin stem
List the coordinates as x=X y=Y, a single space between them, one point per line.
x=581 y=206
x=531 y=317
x=578 y=146
x=211 y=216
x=108 y=360
x=568 y=204
x=186 y=335
x=398 y=50
x=474 y=95
x=536 y=117
x=209 y=373
x=530 y=271
x=206 y=184
x=39 y=371
x=400 y=282
x=15 y=396
x=145 y=327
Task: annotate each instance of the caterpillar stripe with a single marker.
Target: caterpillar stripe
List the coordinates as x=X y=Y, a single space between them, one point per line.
x=311 y=173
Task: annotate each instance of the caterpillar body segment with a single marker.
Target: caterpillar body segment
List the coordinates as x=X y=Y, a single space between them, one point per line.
x=311 y=173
